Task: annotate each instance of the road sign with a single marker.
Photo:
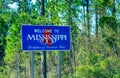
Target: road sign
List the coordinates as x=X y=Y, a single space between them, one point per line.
x=36 y=37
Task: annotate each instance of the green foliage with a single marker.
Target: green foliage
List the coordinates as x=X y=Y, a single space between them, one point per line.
x=98 y=67
x=106 y=68
x=104 y=4
x=98 y=62
x=109 y=22
x=109 y=26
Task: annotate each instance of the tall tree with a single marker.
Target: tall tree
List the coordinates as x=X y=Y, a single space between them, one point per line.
x=96 y=19
x=3 y=32
x=88 y=25
x=44 y=65
x=70 y=24
x=114 y=9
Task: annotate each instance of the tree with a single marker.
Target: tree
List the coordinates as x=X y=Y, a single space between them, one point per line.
x=87 y=10
x=3 y=32
x=109 y=24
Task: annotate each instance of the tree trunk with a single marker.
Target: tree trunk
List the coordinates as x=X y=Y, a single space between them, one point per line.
x=96 y=20
x=42 y=8
x=72 y=64
x=88 y=26
x=114 y=10
x=85 y=28
x=43 y=60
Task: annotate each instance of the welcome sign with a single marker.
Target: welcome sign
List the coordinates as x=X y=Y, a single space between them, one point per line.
x=35 y=37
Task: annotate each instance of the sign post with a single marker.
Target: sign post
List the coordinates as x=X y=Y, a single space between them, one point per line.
x=44 y=66
x=45 y=38
x=32 y=64
x=59 y=64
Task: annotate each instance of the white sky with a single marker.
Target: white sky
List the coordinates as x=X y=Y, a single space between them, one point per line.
x=14 y=5
x=33 y=1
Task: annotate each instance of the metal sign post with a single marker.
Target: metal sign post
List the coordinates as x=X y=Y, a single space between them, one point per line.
x=32 y=64
x=59 y=64
x=44 y=66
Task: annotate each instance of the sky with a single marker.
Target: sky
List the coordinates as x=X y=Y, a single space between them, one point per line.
x=14 y=5
x=33 y=1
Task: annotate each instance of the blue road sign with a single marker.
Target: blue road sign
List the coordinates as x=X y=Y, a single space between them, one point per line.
x=36 y=37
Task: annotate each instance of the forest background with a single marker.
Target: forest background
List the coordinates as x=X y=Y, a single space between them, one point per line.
x=95 y=37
